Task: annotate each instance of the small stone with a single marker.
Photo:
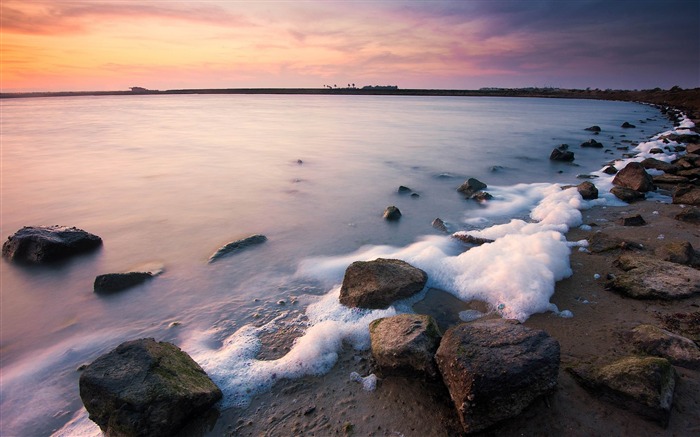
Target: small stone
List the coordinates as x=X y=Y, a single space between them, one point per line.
x=392 y=213
x=627 y=125
x=592 y=144
x=611 y=170
x=634 y=220
x=404 y=190
x=439 y=225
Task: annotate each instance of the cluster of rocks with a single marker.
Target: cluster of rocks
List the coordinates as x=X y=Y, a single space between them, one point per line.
x=473 y=189
x=493 y=369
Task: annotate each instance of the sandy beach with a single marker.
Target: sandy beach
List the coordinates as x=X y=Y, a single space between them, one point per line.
x=598 y=332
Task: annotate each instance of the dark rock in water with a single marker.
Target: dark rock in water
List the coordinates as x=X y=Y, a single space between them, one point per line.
x=145 y=388
x=439 y=225
x=495 y=368
x=481 y=196
x=466 y=238
x=43 y=244
x=404 y=190
x=656 y=151
x=561 y=155
x=563 y=147
x=682 y=138
x=679 y=350
x=592 y=143
x=634 y=177
x=687 y=195
x=299 y=161
x=379 y=283
x=627 y=194
x=627 y=125
x=405 y=344
x=415 y=195
x=237 y=246
x=594 y=128
x=471 y=186
x=649 y=278
x=392 y=213
x=611 y=170
x=587 y=190
x=634 y=220
x=689 y=215
x=679 y=252
x=586 y=176
x=113 y=282
x=644 y=385
x=659 y=165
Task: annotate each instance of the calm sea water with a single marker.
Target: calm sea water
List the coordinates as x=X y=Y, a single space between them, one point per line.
x=167 y=180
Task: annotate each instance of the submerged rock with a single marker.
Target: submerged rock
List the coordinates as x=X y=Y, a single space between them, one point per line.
x=145 y=388
x=43 y=244
x=561 y=155
x=471 y=186
x=495 y=368
x=634 y=177
x=627 y=125
x=405 y=344
x=644 y=385
x=237 y=246
x=113 y=282
x=610 y=169
x=658 y=342
x=592 y=144
x=649 y=278
x=594 y=128
x=439 y=225
x=392 y=213
x=469 y=239
x=377 y=284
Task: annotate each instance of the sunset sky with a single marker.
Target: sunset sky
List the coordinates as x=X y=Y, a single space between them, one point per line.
x=64 y=45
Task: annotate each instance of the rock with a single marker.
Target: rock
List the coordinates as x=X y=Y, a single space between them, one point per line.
x=689 y=215
x=687 y=195
x=561 y=155
x=679 y=252
x=611 y=170
x=593 y=128
x=627 y=194
x=693 y=173
x=404 y=190
x=495 y=368
x=439 y=225
x=145 y=388
x=643 y=385
x=679 y=350
x=379 y=283
x=659 y=165
x=392 y=213
x=600 y=242
x=634 y=177
x=627 y=125
x=592 y=143
x=415 y=195
x=466 y=238
x=649 y=278
x=237 y=246
x=634 y=220
x=670 y=179
x=481 y=196
x=113 y=282
x=693 y=147
x=405 y=344
x=681 y=138
x=587 y=190
x=471 y=186
x=43 y=244
x=656 y=151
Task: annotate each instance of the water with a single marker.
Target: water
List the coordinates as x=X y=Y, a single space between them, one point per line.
x=167 y=180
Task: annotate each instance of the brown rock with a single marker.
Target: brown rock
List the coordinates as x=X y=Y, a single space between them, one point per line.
x=679 y=350
x=379 y=283
x=649 y=278
x=466 y=238
x=634 y=177
x=687 y=195
x=471 y=186
x=679 y=252
x=587 y=190
x=634 y=220
x=656 y=164
x=627 y=194
x=689 y=215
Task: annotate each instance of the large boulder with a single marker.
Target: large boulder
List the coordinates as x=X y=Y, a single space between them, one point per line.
x=686 y=195
x=377 y=284
x=495 y=368
x=643 y=385
x=649 y=278
x=634 y=177
x=405 y=344
x=42 y=244
x=655 y=341
x=145 y=388
x=237 y=246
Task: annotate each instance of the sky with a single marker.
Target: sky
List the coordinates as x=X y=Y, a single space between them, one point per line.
x=96 y=45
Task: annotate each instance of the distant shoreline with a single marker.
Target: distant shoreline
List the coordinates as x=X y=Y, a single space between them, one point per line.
x=687 y=100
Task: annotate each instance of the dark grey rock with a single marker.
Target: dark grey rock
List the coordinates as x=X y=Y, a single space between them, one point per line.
x=593 y=128
x=379 y=283
x=644 y=385
x=633 y=220
x=627 y=194
x=392 y=213
x=494 y=369
x=405 y=344
x=627 y=125
x=611 y=170
x=404 y=190
x=145 y=388
x=587 y=190
x=689 y=215
x=439 y=225
x=113 y=282
x=471 y=186
x=634 y=177
x=679 y=350
x=466 y=238
x=648 y=278
x=43 y=244
x=592 y=144
x=561 y=155
x=237 y=246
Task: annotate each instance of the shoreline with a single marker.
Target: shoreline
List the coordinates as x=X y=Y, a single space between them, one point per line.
x=332 y=404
